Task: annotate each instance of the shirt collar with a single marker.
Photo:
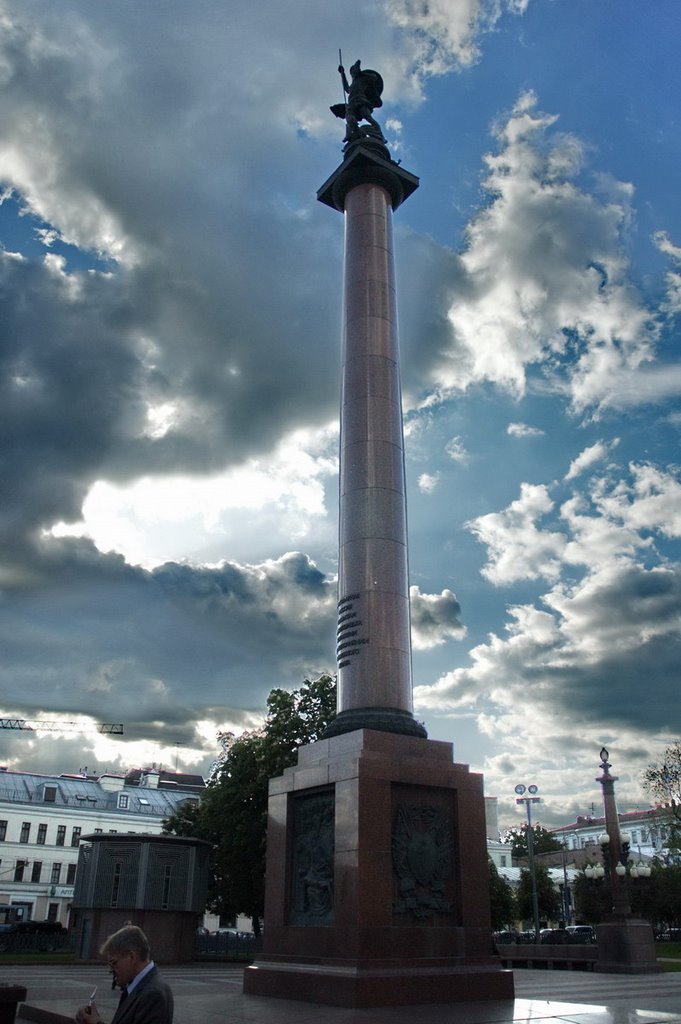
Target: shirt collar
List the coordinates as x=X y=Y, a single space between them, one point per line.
x=138 y=977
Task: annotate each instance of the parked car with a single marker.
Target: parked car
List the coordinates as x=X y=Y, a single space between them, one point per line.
x=581 y=933
x=505 y=937
x=555 y=936
x=32 y=935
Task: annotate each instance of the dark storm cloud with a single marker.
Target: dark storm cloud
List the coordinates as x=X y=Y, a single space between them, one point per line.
x=122 y=644
x=434 y=618
x=183 y=157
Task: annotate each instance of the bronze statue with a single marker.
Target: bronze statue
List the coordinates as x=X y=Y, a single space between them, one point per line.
x=364 y=95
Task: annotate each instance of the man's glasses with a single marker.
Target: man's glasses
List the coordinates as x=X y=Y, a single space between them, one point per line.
x=112 y=963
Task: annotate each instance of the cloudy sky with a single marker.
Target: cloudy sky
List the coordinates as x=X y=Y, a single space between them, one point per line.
x=169 y=346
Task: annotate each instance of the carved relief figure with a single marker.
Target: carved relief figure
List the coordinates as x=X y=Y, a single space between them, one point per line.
x=422 y=859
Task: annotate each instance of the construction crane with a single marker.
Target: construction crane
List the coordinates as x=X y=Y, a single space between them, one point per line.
x=37 y=725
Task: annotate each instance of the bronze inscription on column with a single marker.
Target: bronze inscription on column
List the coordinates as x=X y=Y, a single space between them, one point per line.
x=348 y=640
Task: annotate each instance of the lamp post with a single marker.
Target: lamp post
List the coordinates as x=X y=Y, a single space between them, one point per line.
x=625 y=943
x=615 y=851
x=528 y=800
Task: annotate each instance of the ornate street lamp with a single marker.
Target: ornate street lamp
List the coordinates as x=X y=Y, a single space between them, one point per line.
x=625 y=944
x=528 y=800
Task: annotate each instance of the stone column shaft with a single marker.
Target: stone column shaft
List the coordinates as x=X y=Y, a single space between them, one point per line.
x=374 y=648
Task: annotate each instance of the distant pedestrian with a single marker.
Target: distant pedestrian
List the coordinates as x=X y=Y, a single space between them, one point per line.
x=145 y=997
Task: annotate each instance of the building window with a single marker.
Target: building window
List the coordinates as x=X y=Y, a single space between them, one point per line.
x=502 y=859
x=61 y=835
x=75 y=835
x=25 y=831
x=56 y=874
x=42 y=834
x=19 y=870
x=98 y=831
x=35 y=870
x=3 y=829
x=71 y=874
x=50 y=794
x=123 y=801
x=166 y=887
x=52 y=911
x=116 y=884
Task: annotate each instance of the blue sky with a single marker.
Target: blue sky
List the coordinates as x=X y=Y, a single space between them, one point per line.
x=169 y=337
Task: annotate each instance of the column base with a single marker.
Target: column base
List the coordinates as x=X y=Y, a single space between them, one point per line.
x=356 y=986
x=626 y=946
x=380 y=719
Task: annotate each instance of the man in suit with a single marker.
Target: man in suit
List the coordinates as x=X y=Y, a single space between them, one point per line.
x=145 y=998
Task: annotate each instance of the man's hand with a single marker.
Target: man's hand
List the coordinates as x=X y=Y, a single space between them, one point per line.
x=88 y=1014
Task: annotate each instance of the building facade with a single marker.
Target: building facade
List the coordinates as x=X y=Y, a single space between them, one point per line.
x=42 y=818
x=647 y=832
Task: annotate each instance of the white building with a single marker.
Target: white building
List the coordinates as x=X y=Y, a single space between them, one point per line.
x=647 y=832
x=43 y=816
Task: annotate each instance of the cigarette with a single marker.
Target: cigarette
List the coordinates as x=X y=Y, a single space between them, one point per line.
x=91 y=999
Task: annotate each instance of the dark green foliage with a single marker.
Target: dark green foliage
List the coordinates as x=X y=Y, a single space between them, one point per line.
x=502 y=900
x=663 y=781
x=592 y=899
x=547 y=897
x=543 y=841
x=656 y=899
x=232 y=813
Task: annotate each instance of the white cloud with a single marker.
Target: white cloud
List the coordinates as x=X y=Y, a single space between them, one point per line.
x=589 y=457
x=672 y=304
x=523 y=430
x=599 y=646
x=159 y=519
x=516 y=549
x=428 y=482
x=456 y=450
x=547 y=279
x=651 y=501
x=443 y=34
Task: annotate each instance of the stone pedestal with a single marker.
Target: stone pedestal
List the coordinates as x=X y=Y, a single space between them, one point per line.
x=377 y=878
x=626 y=946
x=10 y=996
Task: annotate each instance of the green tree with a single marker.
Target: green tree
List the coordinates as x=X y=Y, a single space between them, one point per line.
x=232 y=813
x=502 y=900
x=548 y=899
x=658 y=898
x=543 y=841
x=662 y=779
x=592 y=899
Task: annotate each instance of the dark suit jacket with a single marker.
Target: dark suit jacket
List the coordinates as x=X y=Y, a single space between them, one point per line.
x=150 y=1002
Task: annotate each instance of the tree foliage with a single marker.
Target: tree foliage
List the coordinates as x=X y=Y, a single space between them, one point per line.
x=543 y=841
x=548 y=900
x=502 y=900
x=662 y=779
x=592 y=899
x=656 y=899
x=232 y=813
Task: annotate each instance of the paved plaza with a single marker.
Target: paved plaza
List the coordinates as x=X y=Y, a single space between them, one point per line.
x=211 y=994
